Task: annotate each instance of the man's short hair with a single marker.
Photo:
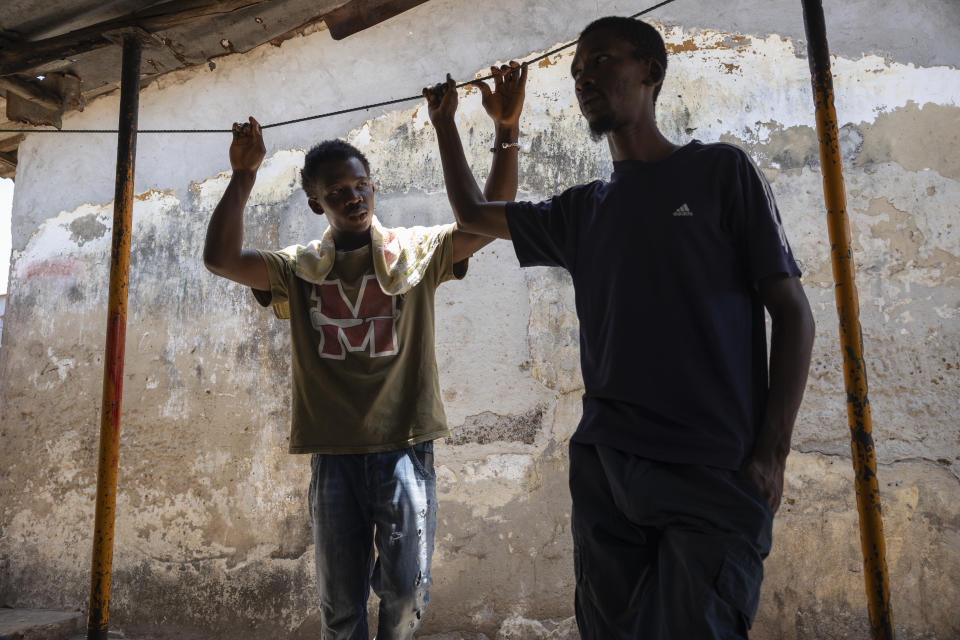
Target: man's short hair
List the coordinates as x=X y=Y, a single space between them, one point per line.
x=327 y=151
x=645 y=38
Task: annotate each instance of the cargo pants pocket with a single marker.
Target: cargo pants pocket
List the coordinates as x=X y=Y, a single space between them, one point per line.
x=738 y=583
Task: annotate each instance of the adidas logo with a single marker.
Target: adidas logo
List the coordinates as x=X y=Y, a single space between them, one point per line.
x=684 y=210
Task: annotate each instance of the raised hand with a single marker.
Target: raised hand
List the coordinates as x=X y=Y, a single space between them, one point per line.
x=505 y=101
x=247 y=149
x=441 y=100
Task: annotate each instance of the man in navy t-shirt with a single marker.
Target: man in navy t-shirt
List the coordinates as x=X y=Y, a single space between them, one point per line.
x=676 y=467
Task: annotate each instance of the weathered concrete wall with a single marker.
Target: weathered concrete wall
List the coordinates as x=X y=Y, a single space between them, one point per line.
x=212 y=531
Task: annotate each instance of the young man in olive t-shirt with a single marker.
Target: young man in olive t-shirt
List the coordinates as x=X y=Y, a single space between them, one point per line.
x=366 y=395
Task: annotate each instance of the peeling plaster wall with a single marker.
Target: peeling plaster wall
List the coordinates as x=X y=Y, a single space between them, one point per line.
x=212 y=532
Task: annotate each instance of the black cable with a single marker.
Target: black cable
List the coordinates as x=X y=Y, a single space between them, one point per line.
x=328 y=114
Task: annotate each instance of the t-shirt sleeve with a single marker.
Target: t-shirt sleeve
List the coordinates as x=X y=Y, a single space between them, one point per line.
x=763 y=241
x=280 y=272
x=442 y=267
x=545 y=233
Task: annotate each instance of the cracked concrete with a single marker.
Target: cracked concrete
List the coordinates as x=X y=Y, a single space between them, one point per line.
x=488 y=427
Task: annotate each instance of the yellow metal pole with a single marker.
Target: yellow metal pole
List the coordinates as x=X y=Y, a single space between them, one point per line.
x=851 y=338
x=98 y=620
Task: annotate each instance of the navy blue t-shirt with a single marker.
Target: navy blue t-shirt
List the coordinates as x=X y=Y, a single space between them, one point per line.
x=665 y=259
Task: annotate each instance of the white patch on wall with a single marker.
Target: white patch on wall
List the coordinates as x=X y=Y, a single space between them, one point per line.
x=53 y=373
x=485 y=484
x=740 y=90
x=278 y=177
x=52 y=250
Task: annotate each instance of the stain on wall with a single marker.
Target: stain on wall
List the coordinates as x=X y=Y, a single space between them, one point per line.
x=488 y=427
x=213 y=539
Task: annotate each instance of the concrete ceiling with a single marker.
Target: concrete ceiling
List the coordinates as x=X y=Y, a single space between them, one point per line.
x=57 y=55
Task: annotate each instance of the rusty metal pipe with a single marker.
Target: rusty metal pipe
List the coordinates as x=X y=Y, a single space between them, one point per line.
x=851 y=338
x=98 y=620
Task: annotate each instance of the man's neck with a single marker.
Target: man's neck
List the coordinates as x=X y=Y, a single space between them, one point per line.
x=642 y=141
x=346 y=241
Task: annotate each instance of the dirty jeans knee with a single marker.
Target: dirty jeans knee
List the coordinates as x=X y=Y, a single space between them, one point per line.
x=406 y=520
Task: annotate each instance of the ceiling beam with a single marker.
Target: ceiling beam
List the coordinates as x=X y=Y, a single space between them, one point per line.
x=32 y=91
x=357 y=15
x=8 y=163
x=11 y=143
x=24 y=56
x=42 y=102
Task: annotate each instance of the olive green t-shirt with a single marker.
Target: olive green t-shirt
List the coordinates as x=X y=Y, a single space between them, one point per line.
x=364 y=368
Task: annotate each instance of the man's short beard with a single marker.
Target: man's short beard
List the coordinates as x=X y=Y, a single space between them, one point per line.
x=600 y=127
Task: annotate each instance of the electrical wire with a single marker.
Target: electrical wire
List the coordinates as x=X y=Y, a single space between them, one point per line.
x=328 y=114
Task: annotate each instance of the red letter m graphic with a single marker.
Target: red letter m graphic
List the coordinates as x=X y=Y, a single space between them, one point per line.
x=345 y=326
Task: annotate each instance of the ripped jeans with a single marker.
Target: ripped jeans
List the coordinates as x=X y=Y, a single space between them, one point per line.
x=359 y=502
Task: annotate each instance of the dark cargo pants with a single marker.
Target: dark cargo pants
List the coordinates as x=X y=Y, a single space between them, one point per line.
x=664 y=551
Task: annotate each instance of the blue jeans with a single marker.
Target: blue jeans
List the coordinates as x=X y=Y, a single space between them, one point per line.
x=664 y=551
x=359 y=502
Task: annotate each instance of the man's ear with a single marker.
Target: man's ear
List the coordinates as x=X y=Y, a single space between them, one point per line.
x=315 y=206
x=655 y=74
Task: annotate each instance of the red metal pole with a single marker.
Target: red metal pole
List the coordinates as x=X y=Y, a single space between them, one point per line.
x=98 y=620
x=851 y=338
